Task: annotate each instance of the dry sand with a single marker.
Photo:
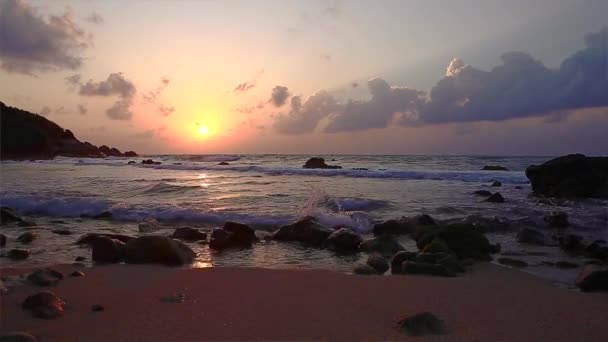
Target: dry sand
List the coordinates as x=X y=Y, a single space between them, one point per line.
x=491 y=303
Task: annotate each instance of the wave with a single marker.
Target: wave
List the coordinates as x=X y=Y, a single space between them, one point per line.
x=73 y=207
x=212 y=158
x=508 y=177
x=164 y=188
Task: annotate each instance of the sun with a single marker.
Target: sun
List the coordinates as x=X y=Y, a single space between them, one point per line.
x=203 y=130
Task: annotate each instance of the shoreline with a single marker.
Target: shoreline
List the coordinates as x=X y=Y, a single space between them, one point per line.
x=488 y=303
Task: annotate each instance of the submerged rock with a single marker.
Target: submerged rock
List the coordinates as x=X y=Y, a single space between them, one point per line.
x=18 y=254
x=306 y=230
x=378 y=262
x=512 y=262
x=189 y=234
x=496 y=184
x=344 y=240
x=531 y=236
x=27 y=237
x=223 y=163
x=573 y=175
x=107 y=250
x=494 y=168
x=319 y=163
x=422 y=324
x=156 y=249
x=45 y=277
x=44 y=305
x=496 y=198
x=385 y=245
x=557 y=219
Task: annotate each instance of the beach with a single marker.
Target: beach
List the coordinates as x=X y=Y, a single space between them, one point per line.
x=489 y=303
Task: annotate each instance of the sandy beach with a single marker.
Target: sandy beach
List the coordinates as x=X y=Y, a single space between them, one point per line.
x=491 y=303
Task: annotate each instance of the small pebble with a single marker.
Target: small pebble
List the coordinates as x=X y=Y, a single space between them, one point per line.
x=77 y=274
x=97 y=308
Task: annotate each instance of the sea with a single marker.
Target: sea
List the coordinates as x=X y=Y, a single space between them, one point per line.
x=266 y=191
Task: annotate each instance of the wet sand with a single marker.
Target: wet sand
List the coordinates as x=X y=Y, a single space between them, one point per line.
x=490 y=303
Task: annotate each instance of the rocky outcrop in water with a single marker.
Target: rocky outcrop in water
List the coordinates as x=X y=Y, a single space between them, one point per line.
x=573 y=175
x=189 y=234
x=26 y=135
x=404 y=225
x=307 y=230
x=232 y=235
x=319 y=163
x=344 y=240
x=494 y=168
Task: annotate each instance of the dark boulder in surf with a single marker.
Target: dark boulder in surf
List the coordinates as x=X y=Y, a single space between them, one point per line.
x=150 y=162
x=496 y=198
x=27 y=237
x=18 y=254
x=223 y=163
x=531 y=236
x=573 y=175
x=398 y=259
x=463 y=240
x=378 y=262
x=557 y=219
x=404 y=225
x=232 y=235
x=592 y=281
x=188 y=234
x=306 y=230
x=344 y=240
x=45 y=305
x=385 y=245
x=90 y=238
x=156 y=249
x=319 y=163
x=130 y=154
x=8 y=215
x=494 y=168
x=107 y=250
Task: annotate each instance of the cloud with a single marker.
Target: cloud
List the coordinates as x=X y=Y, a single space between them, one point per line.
x=151 y=96
x=279 y=96
x=115 y=85
x=147 y=134
x=31 y=43
x=74 y=80
x=245 y=86
x=45 y=111
x=166 y=111
x=94 y=18
x=519 y=87
x=82 y=109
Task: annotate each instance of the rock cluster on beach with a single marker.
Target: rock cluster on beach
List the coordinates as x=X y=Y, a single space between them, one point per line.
x=26 y=135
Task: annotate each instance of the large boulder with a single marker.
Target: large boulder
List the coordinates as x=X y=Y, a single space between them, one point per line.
x=306 y=230
x=90 y=238
x=496 y=198
x=319 y=163
x=44 y=305
x=188 y=234
x=404 y=225
x=156 y=249
x=463 y=240
x=385 y=245
x=378 y=262
x=573 y=175
x=398 y=259
x=531 y=236
x=130 y=154
x=18 y=254
x=241 y=233
x=344 y=240
x=107 y=250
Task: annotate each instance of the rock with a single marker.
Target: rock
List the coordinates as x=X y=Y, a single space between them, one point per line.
x=150 y=162
x=189 y=234
x=364 y=269
x=485 y=193
x=8 y=215
x=130 y=154
x=531 y=236
x=77 y=274
x=494 y=168
x=597 y=250
x=223 y=163
x=90 y=238
x=319 y=163
x=592 y=281
x=496 y=198
x=422 y=324
x=61 y=231
x=385 y=245
x=220 y=239
x=45 y=277
x=398 y=259
x=411 y=267
x=465 y=241
x=357 y=168
x=404 y=225
x=557 y=219
x=344 y=240
x=378 y=262
x=306 y=230
x=496 y=184
x=512 y=262
x=27 y=237
x=2 y=240
x=17 y=336
x=18 y=254
x=573 y=175
x=97 y=308
x=131 y=162
x=80 y=258
x=437 y=246
x=104 y=215
x=44 y=305
x=149 y=225
x=571 y=243
x=566 y=264
x=156 y=249
x=107 y=250
x=241 y=233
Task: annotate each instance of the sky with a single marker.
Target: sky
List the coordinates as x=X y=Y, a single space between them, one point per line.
x=317 y=76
